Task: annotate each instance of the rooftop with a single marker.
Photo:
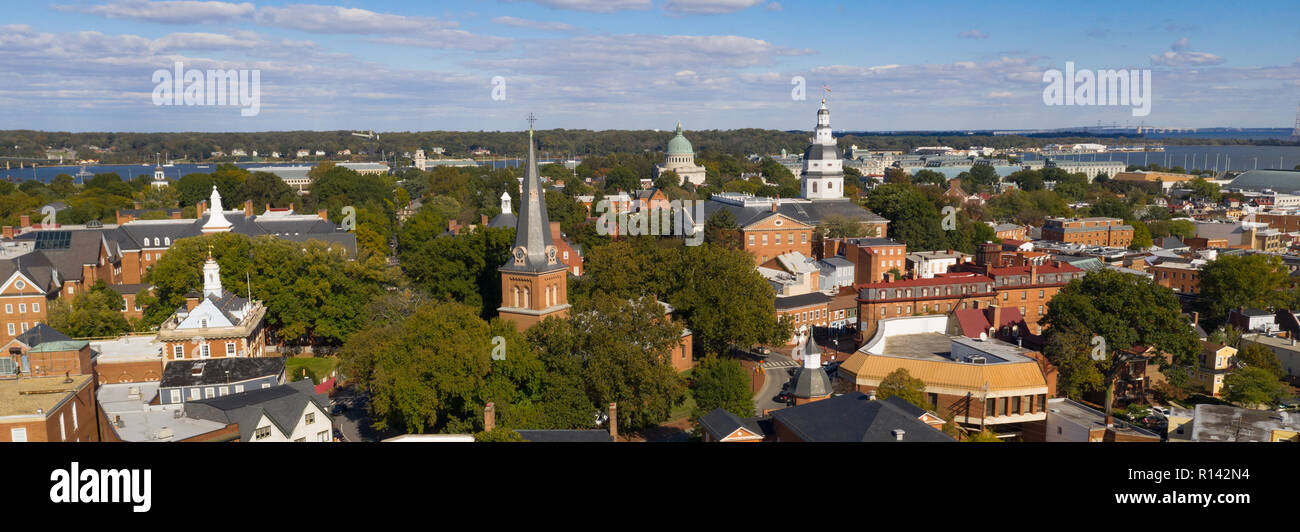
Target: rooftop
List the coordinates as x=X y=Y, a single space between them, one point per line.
x=1229 y=423
x=128 y=349
x=1082 y=414
x=141 y=421
x=22 y=397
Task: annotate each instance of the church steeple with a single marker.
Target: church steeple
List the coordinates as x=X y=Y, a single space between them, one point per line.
x=533 y=249
x=533 y=279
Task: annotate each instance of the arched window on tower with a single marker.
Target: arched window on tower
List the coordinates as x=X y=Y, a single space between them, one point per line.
x=526 y=298
x=516 y=290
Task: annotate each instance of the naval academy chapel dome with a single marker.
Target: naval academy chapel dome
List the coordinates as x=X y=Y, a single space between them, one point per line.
x=679 y=145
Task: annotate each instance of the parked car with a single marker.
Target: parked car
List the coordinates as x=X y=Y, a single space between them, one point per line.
x=783 y=397
x=763 y=350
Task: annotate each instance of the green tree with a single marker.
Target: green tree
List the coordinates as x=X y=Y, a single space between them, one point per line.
x=1257 y=356
x=1232 y=281
x=265 y=188
x=93 y=313
x=499 y=434
x=1123 y=310
x=902 y=384
x=984 y=436
x=914 y=220
x=1252 y=387
x=721 y=383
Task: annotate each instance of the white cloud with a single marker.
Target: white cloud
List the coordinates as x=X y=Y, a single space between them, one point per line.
x=166 y=11
x=999 y=95
x=450 y=39
x=336 y=19
x=709 y=7
x=774 y=6
x=592 y=6
x=1180 y=55
x=973 y=34
x=534 y=24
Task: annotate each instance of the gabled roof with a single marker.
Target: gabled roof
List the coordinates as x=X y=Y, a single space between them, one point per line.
x=283 y=405
x=40 y=334
x=722 y=423
x=854 y=417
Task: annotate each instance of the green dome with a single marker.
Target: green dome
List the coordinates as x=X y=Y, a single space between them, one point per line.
x=679 y=145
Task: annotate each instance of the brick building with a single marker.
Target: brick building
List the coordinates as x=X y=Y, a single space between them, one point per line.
x=873 y=258
x=214 y=324
x=1181 y=277
x=937 y=295
x=1096 y=231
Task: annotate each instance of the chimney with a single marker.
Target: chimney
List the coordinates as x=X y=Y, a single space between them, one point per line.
x=1110 y=421
x=1196 y=317
x=898 y=434
x=775 y=204
x=8 y=232
x=25 y=221
x=200 y=208
x=1033 y=273
x=191 y=302
x=482 y=218
x=489 y=417
x=995 y=315
x=248 y=208
x=324 y=214
x=613 y=421
x=175 y=215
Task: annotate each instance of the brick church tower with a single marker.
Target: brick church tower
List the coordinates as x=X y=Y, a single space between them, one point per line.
x=534 y=282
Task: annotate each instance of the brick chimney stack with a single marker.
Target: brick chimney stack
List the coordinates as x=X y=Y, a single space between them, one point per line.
x=248 y=208
x=25 y=221
x=489 y=417
x=324 y=214
x=200 y=208
x=613 y=421
x=8 y=232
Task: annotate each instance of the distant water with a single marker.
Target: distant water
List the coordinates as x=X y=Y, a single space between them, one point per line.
x=1202 y=157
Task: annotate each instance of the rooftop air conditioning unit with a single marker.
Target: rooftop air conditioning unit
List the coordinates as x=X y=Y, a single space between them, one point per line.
x=976 y=359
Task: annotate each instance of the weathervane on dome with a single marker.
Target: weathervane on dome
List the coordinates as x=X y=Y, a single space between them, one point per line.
x=826 y=90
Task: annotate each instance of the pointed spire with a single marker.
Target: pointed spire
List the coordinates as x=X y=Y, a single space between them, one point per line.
x=532 y=231
x=812 y=355
x=217 y=219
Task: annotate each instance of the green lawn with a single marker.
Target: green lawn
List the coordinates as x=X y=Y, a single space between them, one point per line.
x=320 y=366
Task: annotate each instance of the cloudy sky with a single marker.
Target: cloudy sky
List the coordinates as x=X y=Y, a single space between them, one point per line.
x=88 y=65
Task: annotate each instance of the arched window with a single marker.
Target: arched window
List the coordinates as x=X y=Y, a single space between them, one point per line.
x=167 y=241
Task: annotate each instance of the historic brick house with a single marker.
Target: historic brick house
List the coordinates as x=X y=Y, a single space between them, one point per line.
x=214 y=324
x=534 y=281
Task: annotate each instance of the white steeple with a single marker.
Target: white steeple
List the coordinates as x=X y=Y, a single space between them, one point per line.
x=217 y=222
x=812 y=355
x=211 y=277
x=823 y=170
x=505 y=203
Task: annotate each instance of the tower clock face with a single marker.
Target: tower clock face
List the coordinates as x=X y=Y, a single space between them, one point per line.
x=519 y=253
x=550 y=253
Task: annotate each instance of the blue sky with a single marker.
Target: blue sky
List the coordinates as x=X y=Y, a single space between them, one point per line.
x=86 y=65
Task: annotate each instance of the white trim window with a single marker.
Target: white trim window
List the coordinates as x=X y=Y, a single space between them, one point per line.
x=209 y=393
x=36 y=307
x=12 y=330
x=230 y=349
x=194 y=394
x=204 y=350
x=178 y=351
x=176 y=396
x=18 y=434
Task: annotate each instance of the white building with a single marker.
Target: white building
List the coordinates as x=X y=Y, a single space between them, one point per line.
x=823 y=171
x=681 y=159
x=290 y=413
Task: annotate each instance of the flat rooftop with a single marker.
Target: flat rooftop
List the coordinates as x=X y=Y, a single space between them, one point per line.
x=142 y=421
x=22 y=397
x=1229 y=423
x=924 y=346
x=128 y=349
x=1093 y=419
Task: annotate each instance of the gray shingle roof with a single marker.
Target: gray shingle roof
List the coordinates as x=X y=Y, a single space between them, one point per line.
x=721 y=422
x=811 y=213
x=213 y=370
x=282 y=404
x=802 y=300
x=854 y=417
x=40 y=334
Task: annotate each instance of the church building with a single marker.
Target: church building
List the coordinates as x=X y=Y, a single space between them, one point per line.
x=534 y=284
x=681 y=159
